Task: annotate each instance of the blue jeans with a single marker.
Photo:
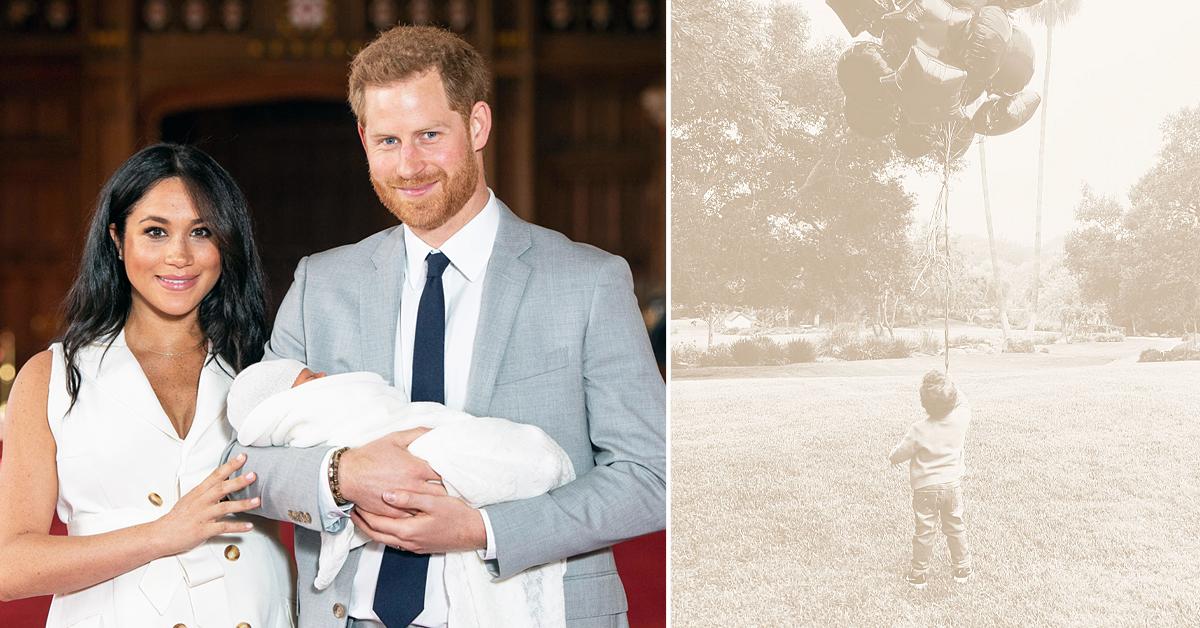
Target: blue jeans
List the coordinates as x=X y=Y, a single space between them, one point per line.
x=931 y=503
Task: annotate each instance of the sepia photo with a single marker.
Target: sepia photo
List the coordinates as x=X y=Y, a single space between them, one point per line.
x=935 y=313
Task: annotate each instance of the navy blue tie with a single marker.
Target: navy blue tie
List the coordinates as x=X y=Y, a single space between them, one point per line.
x=400 y=590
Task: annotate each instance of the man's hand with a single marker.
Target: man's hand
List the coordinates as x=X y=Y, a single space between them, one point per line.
x=440 y=524
x=385 y=464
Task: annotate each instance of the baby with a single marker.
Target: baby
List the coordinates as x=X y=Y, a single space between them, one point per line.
x=481 y=460
x=934 y=448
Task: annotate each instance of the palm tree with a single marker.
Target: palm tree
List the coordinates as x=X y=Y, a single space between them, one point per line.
x=1001 y=292
x=1051 y=13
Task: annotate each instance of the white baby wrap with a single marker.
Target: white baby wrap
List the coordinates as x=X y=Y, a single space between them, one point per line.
x=482 y=460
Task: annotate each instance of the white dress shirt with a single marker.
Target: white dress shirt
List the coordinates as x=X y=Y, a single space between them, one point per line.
x=469 y=251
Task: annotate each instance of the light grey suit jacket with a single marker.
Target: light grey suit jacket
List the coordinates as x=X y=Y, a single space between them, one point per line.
x=560 y=344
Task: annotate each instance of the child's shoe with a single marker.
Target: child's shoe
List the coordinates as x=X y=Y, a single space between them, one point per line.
x=915 y=580
x=961 y=575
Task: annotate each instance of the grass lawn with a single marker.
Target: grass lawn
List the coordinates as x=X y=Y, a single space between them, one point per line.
x=1082 y=496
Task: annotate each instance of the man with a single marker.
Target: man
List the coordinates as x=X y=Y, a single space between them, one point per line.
x=469 y=305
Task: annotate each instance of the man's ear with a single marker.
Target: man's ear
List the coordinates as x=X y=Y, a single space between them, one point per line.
x=362 y=136
x=112 y=234
x=481 y=125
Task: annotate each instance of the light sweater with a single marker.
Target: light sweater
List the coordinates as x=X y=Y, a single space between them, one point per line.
x=934 y=448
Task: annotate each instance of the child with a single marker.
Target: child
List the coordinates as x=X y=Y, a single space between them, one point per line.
x=934 y=449
x=482 y=460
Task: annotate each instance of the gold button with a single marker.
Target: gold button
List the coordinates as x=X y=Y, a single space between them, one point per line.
x=243 y=625
x=339 y=611
x=157 y=501
x=180 y=626
x=233 y=553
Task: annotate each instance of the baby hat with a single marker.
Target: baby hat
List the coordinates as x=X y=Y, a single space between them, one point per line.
x=258 y=382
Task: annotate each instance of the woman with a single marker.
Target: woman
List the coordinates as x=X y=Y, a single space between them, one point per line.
x=121 y=424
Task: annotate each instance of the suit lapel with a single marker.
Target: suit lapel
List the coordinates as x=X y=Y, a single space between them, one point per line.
x=117 y=372
x=215 y=379
x=503 y=287
x=379 y=306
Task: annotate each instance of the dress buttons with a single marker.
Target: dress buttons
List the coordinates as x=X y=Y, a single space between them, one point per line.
x=339 y=611
x=157 y=501
x=232 y=552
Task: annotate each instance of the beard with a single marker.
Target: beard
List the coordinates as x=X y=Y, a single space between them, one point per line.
x=435 y=209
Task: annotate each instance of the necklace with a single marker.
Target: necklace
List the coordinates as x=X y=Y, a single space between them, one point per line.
x=172 y=355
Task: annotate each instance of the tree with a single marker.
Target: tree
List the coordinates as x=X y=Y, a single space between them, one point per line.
x=774 y=202
x=1095 y=250
x=1142 y=262
x=1051 y=13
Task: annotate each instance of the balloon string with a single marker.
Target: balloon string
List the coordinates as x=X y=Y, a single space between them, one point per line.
x=946 y=239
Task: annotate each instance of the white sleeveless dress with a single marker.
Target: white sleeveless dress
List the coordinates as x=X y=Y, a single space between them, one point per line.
x=120 y=463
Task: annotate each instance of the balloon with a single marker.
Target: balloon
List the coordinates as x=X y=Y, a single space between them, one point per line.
x=896 y=42
x=913 y=140
x=859 y=70
x=1016 y=68
x=987 y=40
x=861 y=15
x=1000 y=115
x=960 y=142
x=918 y=140
x=971 y=91
x=873 y=121
x=934 y=25
x=929 y=89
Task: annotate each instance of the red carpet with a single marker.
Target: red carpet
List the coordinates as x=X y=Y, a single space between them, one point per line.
x=642 y=563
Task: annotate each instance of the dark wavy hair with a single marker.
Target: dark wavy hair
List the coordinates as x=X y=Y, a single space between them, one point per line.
x=232 y=315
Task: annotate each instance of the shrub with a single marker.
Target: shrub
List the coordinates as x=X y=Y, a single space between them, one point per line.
x=718 y=355
x=800 y=350
x=1152 y=355
x=1019 y=346
x=930 y=343
x=1115 y=336
x=758 y=351
x=872 y=348
x=1045 y=339
x=686 y=354
x=967 y=341
x=839 y=337
x=901 y=348
x=1182 y=352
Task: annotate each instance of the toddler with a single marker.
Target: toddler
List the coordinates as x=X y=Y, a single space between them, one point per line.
x=933 y=448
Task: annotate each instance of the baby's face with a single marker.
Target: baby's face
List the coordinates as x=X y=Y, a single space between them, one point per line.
x=307 y=375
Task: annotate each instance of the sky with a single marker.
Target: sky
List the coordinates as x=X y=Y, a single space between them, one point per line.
x=1117 y=73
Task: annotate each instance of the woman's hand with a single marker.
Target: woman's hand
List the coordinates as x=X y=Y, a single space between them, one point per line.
x=200 y=515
